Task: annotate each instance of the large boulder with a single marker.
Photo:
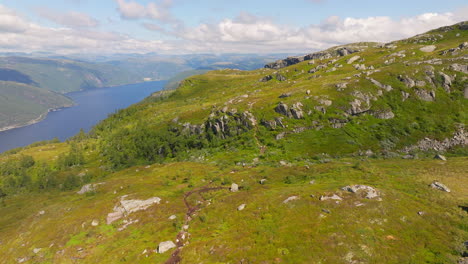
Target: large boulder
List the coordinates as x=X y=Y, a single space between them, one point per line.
x=429 y=48
x=165 y=246
x=371 y=192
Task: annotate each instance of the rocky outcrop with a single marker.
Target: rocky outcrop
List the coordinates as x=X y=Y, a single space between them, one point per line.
x=281 y=77
x=371 y=192
x=383 y=114
x=358 y=107
x=353 y=59
x=295 y=111
x=230 y=123
x=317 y=68
x=425 y=95
x=190 y=129
x=387 y=88
x=447 y=81
x=410 y=83
x=338 y=52
x=459 y=68
x=126 y=207
x=456 y=50
x=460 y=138
x=429 y=48
x=266 y=78
x=273 y=124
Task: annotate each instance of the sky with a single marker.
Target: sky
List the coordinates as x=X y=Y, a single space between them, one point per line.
x=214 y=26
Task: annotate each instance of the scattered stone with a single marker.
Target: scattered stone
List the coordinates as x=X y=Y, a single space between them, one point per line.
x=262 y=181
x=36 y=250
x=234 y=187
x=371 y=192
x=22 y=260
x=165 y=246
x=421 y=213
x=95 y=222
x=333 y=197
x=172 y=217
x=341 y=85
x=326 y=211
x=41 y=212
x=388 y=114
x=447 y=81
x=185 y=227
x=241 y=207
x=312 y=182
x=440 y=157
x=308 y=92
x=429 y=48
x=439 y=186
x=292 y=198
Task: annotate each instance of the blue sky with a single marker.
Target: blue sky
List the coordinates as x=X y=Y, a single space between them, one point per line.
x=187 y=26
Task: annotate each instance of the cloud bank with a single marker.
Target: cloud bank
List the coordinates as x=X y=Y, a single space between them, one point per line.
x=246 y=33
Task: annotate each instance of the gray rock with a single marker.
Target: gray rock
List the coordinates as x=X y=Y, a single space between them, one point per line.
x=280 y=136
x=266 y=78
x=283 y=109
x=463 y=260
x=292 y=198
x=439 y=186
x=360 y=67
x=353 y=59
x=234 y=187
x=285 y=95
x=440 y=157
x=126 y=207
x=420 y=84
x=296 y=111
x=429 y=48
x=280 y=77
x=165 y=246
x=425 y=95
x=341 y=85
x=95 y=222
x=410 y=83
x=241 y=207
x=36 y=250
x=459 y=68
x=371 y=192
x=465 y=92
x=333 y=197
x=262 y=181
x=447 y=81
x=172 y=217
x=388 y=114
x=387 y=88
x=86 y=188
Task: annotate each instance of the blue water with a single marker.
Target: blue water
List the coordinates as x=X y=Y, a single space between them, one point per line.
x=92 y=107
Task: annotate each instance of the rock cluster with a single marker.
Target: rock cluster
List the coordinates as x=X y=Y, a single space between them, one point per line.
x=371 y=192
x=295 y=111
x=460 y=138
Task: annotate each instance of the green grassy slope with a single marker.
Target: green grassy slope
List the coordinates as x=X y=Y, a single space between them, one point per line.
x=229 y=126
x=21 y=103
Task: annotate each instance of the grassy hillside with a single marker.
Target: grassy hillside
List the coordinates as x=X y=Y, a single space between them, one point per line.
x=21 y=103
x=262 y=167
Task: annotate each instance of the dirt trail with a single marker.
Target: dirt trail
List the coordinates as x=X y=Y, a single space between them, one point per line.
x=183 y=235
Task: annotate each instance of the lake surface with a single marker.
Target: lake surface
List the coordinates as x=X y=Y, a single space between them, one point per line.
x=92 y=107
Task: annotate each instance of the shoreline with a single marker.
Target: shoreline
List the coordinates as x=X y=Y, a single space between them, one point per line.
x=36 y=120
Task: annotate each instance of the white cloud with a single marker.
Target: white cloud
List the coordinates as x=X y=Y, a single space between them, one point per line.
x=70 y=19
x=245 y=33
x=134 y=10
